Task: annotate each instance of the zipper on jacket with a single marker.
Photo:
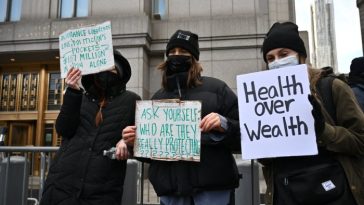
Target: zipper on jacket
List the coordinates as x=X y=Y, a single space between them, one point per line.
x=285 y=182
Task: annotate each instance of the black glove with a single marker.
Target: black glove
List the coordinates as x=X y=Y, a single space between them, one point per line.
x=317 y=115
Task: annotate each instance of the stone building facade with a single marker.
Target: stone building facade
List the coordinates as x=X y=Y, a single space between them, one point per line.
x=360 y=5
x=231 y=33
x=323 y=33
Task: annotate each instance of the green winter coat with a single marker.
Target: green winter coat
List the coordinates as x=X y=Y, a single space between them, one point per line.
x=346 y=139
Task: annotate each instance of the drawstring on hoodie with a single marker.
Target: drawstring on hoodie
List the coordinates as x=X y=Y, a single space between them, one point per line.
x=179 y=88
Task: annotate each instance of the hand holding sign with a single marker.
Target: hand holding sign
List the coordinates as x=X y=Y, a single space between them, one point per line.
x=211 y=122
x=73 y=78
x=129 y=135
x=317 y=115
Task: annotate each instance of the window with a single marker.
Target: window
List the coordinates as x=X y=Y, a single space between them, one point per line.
x=74 y=8
x=10 y=10
x=29 y=92
x=54 y=91
x=22 y=96
x=3 y=10
x=82 y=8
x=159 y=7
x=8 y=92
x=15 y=10
x=19 y=97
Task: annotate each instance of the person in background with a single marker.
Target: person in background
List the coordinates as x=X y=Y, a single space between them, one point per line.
x=356 y=79
x=3 y=132
x=89 y=123
x=335 y=175
x=213 y=180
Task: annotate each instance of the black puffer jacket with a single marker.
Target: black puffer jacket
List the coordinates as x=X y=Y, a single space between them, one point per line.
x=80 y=174
x=217 y=169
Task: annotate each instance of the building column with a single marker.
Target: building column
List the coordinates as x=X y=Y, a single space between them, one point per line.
x=39 y=133
x=360 y=5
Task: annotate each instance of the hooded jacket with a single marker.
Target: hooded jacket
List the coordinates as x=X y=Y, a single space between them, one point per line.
x=358 y=90
x=217 y=168
x=79 y=173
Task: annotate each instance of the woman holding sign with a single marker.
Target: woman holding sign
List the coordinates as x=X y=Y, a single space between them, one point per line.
x=212 y=180
x=335 y=176
x=90 y=123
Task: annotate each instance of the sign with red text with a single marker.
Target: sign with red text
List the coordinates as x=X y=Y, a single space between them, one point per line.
x=168 y=130
x=88 y=49
x=275 y=113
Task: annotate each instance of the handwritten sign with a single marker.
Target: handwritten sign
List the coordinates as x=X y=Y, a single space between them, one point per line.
x=89 y=49
x=168 y=130
x=275 y=114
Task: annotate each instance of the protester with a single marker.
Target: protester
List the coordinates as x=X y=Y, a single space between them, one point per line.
x=212 y=180
x=90 y=123
x=335 y=175
x=356 y=79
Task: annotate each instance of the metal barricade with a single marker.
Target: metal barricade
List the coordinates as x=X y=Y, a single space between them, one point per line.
x=130 y=183
x=19 y=184
x=13 y=180
x=17 y=177
x=29 y=184
x=248 y=191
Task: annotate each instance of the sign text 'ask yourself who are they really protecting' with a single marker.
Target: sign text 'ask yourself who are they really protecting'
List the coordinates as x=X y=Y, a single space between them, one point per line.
x=168 y=130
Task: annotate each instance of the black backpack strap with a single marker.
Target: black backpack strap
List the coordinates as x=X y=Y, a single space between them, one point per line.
x=324 y=87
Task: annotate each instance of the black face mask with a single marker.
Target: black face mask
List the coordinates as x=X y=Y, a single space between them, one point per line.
x=104 y=84
x=106 y=80
x=178 y=64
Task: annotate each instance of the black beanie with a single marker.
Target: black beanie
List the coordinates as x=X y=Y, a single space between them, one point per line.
x=357 y=66
x=283 y=35
x=186 y=40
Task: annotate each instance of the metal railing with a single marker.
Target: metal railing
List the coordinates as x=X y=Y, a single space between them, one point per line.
x=35 y=161
x=29 y=173
x=34 y=175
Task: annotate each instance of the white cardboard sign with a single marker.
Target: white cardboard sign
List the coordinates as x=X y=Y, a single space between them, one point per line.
x=275 y=114
x=89 y=49
x=168 y=130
